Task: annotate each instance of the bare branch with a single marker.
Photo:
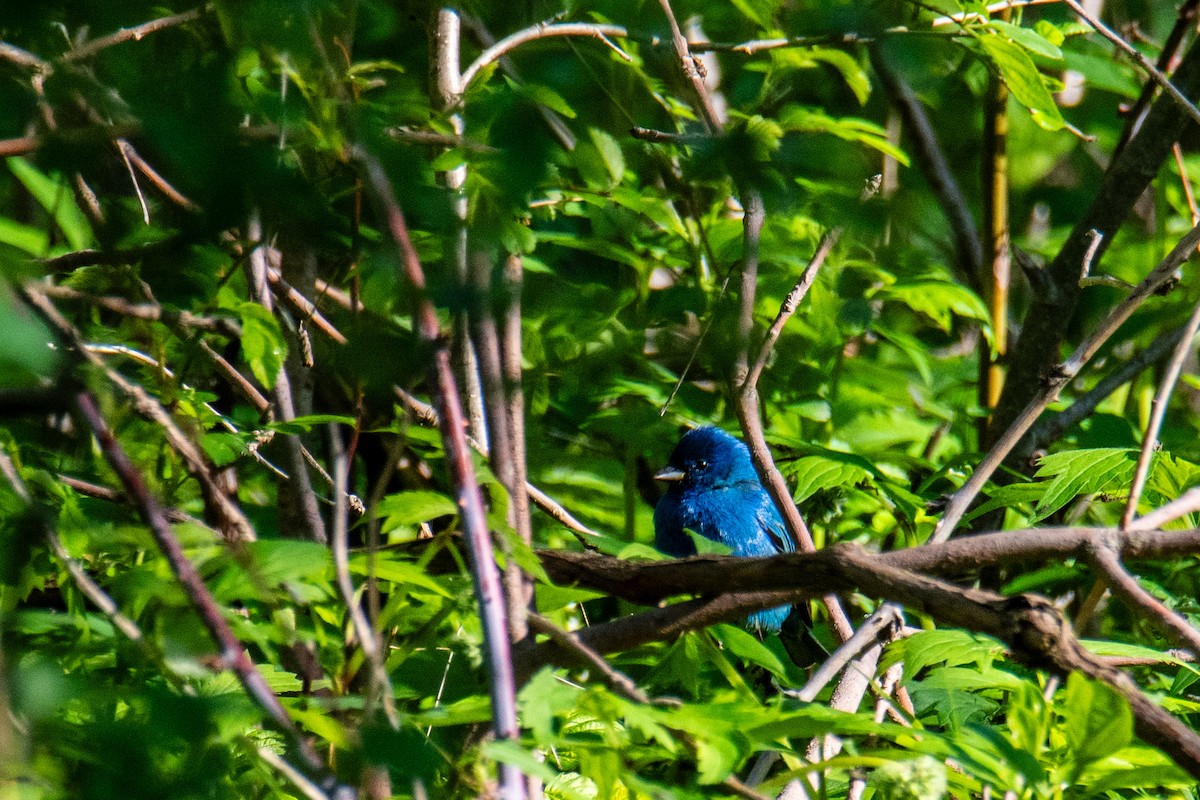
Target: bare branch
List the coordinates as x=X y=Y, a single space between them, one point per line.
x=88 y=587
x=232 y=654
x=1063 y=374
x=1147 y=66
x=1050 y=429
x=135 y=33
x=226 y=326
x=379 y=685
x=934 y=166
x=618 y=681
x=426 y=414
x=1106 y=561
x=488 y=590
x=543 y=31
x=232 y=522
x=1161 y=399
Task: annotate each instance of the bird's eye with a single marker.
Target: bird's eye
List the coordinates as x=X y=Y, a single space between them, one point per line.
x=701 y=464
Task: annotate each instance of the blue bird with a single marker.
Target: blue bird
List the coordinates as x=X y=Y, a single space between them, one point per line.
x=714 y=491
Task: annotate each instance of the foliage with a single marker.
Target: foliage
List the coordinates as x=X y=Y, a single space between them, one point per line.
x=252 y=116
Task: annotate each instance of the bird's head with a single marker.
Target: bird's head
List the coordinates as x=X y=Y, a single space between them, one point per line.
x=708 y=458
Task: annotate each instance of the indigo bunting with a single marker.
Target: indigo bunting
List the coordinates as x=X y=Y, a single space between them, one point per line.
x=714 y=491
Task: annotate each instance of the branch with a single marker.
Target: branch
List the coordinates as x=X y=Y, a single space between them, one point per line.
x=1060 y=376
x=931 y=158
x=654 y=581
x=1147 y=66
x=426 y=415
x=1031 y=627
x=136 y=33
x=1050 y=429
x=233 y=655
x=379 y=685
x=1186 y=503
x=298 y=504
x=230 y=519
x=488 y=591
x=544 y=31
x=1184 y=22
x=153 y=312
x=88 y=587
x=1150 y=441
x=1053 y=305
x=1106 y=561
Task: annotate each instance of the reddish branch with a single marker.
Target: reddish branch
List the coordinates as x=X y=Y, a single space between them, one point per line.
x=233 y=655
x=488 y=590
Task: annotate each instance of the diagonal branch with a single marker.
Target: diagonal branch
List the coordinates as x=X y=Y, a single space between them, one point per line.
x=1053 y=383
x=488 y=590
x=233 y=655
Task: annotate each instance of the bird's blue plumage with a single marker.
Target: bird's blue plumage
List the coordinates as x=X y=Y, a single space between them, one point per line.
x=714 y=491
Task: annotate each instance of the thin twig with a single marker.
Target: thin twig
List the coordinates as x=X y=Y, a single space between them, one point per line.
x=1063 y=374
x=1147 y=66
x=510 y=357
x=22 y=58
x=426 y=414
x=1158 y=412
x=153 y=312
x=931 y=158
x=132 y=157
x=488 y=590
x=379 y=686
x=1049 y=429
x=1186 y=503
x=306 y=787
x=231 y=520
x=1184 y=23
x=88 y=587
x=543 y=31
x=304 y=305
x=302 y=507
x=614 y=679
x=879 y=627
x=233 y=655
x=135 y=33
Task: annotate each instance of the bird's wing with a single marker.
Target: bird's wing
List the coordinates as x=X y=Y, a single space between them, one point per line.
x=772 y=525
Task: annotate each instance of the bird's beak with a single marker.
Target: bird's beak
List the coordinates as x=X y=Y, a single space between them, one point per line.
x=668 y=474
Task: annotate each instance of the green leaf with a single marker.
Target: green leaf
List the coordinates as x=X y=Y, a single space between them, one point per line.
x=306 y=423
x=55 y=196
x=542 y=95
x=263 y=346
x=1023 y=80
x=24 y=237
x=949 y=647
x=814 y=473
x=940 y=301
x=706 y=546
x=410 y=508
x=222 y=447
x=610 y=154
x=747 y=647
x=1031 y=40
x=1099 y=720
x=802 y=119
x=1077 y=472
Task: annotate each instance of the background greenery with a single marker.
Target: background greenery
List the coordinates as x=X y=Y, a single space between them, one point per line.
x=871 y=401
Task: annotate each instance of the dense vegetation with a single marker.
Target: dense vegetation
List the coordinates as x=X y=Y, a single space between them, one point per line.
x=334 y=336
